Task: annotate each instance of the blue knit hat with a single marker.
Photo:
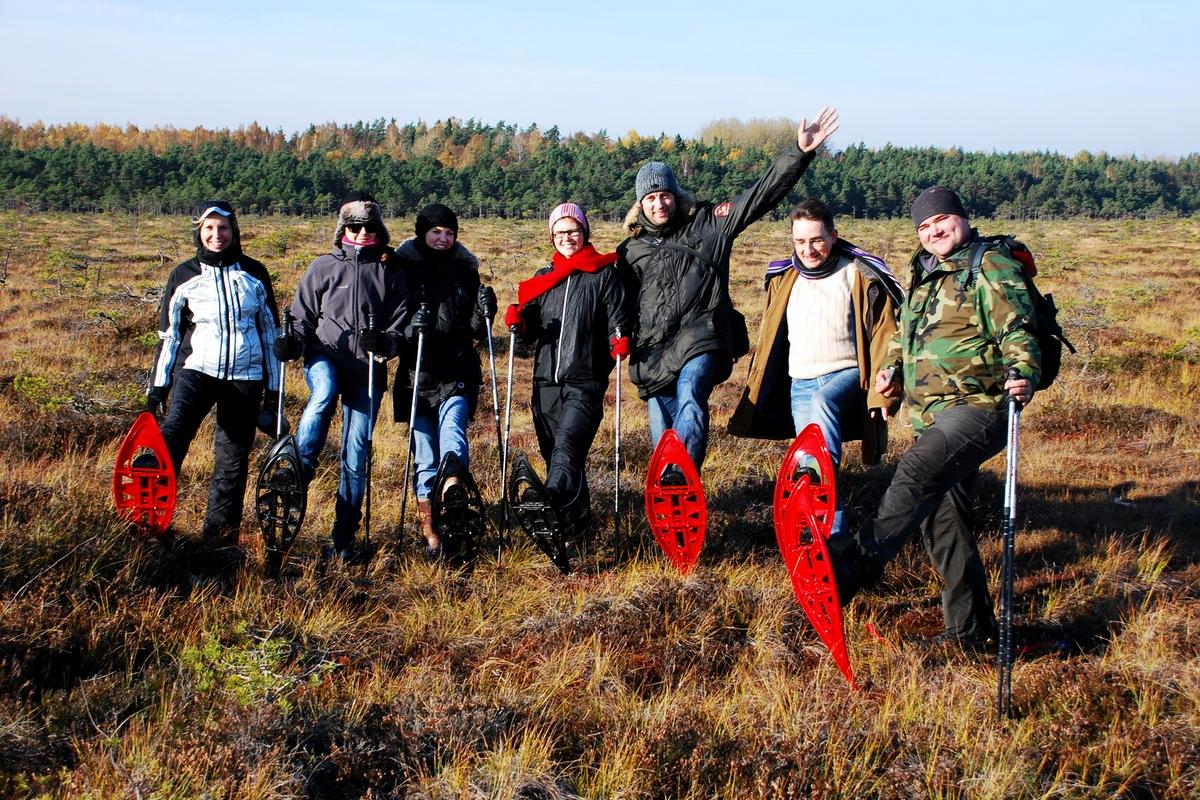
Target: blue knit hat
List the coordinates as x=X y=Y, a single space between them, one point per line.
x=655 y=176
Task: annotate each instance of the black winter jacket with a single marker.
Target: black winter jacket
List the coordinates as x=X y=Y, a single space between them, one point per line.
x=679 y=276
x=449 y=362
x=570 y=325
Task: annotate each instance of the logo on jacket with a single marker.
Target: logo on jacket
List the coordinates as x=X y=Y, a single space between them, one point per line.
x=723 y=209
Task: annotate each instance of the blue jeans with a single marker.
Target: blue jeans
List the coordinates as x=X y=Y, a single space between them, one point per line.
x=685 y=407
x=827 y=400
x=432 y=440
x=327 y=382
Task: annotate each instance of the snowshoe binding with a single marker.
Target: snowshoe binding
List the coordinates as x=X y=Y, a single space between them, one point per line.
x=535 y=513
x=457 y=509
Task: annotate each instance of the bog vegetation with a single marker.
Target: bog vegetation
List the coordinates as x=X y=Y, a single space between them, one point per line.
x=503 y=170
x=134 y=668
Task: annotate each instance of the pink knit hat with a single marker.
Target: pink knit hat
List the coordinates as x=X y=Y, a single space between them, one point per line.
x=574 y=212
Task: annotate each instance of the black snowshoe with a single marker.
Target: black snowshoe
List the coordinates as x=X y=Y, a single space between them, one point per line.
x=281 y=497
x=457 y=509
x=535 y=513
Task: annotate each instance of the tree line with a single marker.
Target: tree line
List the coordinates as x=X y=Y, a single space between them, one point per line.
x=504 y=170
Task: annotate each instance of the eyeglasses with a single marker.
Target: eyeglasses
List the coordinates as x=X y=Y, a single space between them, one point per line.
x=573 y=233
x=355 y=227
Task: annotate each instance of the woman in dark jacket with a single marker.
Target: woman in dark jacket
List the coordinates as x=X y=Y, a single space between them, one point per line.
x=453 y=310
x=217 y=325
x=572 y=312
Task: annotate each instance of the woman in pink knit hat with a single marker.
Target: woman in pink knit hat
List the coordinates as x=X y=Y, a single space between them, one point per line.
x=572 y=313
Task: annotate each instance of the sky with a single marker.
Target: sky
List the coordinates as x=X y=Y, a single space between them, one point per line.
x=1123 y=78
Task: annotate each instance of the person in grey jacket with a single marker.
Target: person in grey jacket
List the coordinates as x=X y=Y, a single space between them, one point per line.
x=335 y=301
x=572 y=312
x=676 y=262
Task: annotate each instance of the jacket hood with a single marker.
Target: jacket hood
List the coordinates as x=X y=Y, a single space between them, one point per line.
x=408 y=253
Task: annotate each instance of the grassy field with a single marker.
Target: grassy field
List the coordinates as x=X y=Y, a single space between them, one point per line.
x=136 y=670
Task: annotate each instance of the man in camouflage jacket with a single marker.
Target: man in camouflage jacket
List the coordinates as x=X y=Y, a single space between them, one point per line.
x=961 y=332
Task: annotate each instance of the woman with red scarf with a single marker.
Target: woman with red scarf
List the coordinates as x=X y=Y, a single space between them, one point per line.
x=573 y=314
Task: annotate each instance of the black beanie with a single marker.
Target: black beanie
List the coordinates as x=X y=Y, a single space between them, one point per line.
x=435 y=215
x=936 y=200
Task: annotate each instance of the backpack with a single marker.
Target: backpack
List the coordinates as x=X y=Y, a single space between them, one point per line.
x=1050 y=336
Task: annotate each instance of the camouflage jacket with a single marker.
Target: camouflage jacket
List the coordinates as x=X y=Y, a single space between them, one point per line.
x=956 y=341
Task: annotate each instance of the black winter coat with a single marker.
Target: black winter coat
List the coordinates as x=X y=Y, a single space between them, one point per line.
x=449 y=362
x=571 y=324
x=679 y=276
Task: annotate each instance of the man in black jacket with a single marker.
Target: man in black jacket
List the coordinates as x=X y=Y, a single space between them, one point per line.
x=676 y=263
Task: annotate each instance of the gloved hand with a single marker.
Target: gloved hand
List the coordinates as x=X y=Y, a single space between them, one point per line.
x=513 y=320
x=619 y=346
x=155 y=397
x=376 y=342
x=486 y=302
x=288 y=347
x=270 y=401
x=422 y=321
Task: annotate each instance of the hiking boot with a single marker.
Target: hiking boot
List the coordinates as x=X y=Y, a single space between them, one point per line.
x=433 y=544
x=673 y=476
x=977 y=642
x=853 y=570
x=344 y=554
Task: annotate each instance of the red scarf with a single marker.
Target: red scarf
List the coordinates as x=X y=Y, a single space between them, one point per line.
x=586 y=260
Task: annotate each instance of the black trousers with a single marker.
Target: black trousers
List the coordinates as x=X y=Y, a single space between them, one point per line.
x=193 y=395
x=566 y=419
x=933 y=491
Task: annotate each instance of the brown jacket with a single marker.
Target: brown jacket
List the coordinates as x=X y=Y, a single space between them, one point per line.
x=764 y=411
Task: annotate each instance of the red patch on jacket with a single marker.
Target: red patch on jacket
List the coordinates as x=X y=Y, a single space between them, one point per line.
x=723 y=209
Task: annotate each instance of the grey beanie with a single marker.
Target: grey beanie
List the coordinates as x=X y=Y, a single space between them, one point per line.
x=655 y=176
x=936 y=200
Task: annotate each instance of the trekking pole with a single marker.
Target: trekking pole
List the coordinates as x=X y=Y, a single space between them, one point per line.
x=617 y=451
x=370 y=436
x=287 y=331
x=1007 y=578
x=512 y=338
x=412 y=419
x=496 y=406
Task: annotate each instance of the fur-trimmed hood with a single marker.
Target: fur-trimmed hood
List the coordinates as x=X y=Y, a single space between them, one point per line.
x=464 y=258
x=685 y=204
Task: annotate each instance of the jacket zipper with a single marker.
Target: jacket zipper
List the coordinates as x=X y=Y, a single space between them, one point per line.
x=562 y=328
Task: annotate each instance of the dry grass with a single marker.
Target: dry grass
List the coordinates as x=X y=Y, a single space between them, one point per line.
x=132 y=669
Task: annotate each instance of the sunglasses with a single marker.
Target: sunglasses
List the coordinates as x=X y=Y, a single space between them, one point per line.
x=355 y=227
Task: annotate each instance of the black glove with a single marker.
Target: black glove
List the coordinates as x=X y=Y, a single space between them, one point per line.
x=155 y=397
x=486 y=302
x=270 y=401
x=288 y=347
x=422 y=321
x=376 y=342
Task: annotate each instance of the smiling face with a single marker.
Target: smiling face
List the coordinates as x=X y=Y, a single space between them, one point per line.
x=813 y=241
x=658 y=207
x=215 y=233
x=440 y=238
x=567 y=236
x=942 y=234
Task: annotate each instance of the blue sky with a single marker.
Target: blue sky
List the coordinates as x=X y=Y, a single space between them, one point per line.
x=1119 y=77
